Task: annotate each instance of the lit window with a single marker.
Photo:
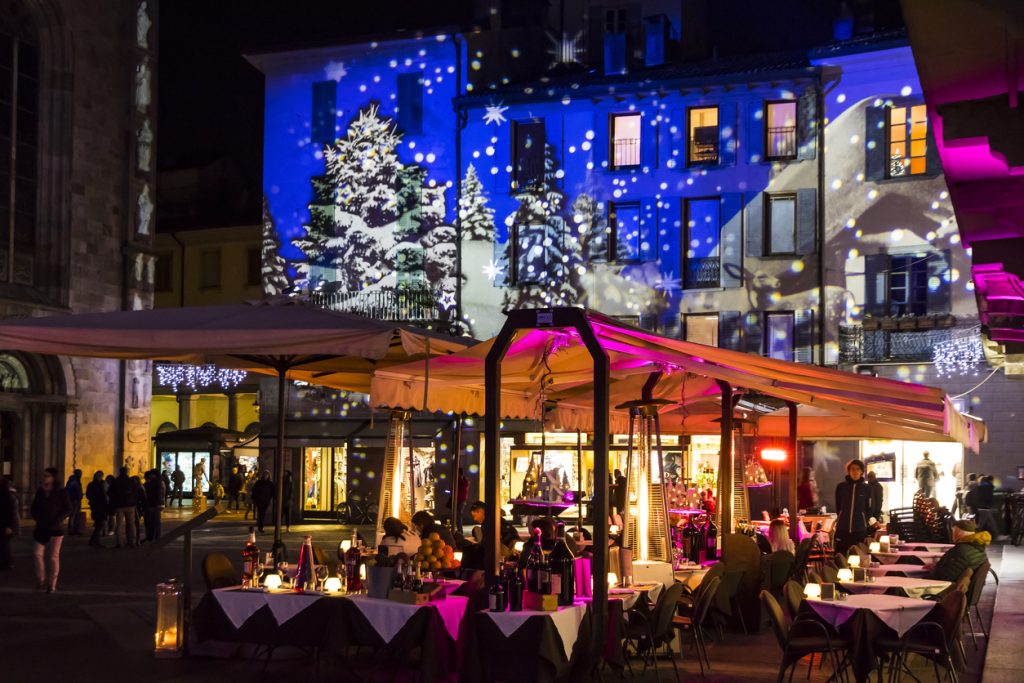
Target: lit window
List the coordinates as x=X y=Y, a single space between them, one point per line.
x=626 y=140
x=703 y=235
x=781 y=224
x=626 y=221
x=703 y=136
x=779 y=335
x=781 y=130
x=702 y=329
x=908 y=140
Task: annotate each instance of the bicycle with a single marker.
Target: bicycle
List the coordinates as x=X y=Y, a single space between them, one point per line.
x=354 y=512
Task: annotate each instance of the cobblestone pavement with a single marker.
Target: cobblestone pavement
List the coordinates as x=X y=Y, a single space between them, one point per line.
x=98 y=626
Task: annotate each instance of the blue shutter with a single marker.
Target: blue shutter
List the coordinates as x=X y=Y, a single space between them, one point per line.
x=410 y=103
x=807 y=125
x=677 y=137
x=753 y=333
x=806 y=220
x=648 y=229
x=938 y=282
x=502 y=261
x=730 y=247
x=655 y=37
x=729 y=330
x=874 y=142
x=728 y=138
x=803 y=333
x=614 y=53
x=754 y=134
x=669 y=233
x=876 y=295
x=753 y=225
x=649 y=140
x=325 y=112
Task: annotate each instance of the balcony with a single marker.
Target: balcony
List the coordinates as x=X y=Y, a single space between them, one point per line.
x=627 y=152
x=703 y=152
x=889 y=343
x=415 y=305
x=782 y=143
x=702 y=273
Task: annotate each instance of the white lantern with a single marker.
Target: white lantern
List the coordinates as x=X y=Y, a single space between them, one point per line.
x=458 y=556
x=812 y=591
x=272 y=581
x=853 y=560
x=612 y=579
x=332 y=585
x=875 y=547
x=170 y=619
x=845 y=574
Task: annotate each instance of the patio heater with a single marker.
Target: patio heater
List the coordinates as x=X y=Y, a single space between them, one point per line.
x=394 y=470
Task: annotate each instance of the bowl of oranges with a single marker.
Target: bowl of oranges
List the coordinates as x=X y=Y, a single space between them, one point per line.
x=434 y=555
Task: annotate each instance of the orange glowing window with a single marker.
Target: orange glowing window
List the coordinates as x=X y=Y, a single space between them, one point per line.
x=908 y=140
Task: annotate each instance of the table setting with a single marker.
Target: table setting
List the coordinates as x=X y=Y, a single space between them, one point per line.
x=907 y=586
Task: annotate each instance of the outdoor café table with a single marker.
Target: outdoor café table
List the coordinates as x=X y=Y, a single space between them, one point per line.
x=925 y=547
x=919 y=570
x=652 y=571
x=530 y=645
x=690 y=576
x=907 y=557
x=619 y=601
x=272 y=618
x=863 y=620
x=897 y=585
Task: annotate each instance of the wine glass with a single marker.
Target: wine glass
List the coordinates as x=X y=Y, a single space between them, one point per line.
x=257 y=575
x=282 y=568
x=322 y=573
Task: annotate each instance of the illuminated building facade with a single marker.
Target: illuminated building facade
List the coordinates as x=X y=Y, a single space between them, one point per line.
x=780 y=200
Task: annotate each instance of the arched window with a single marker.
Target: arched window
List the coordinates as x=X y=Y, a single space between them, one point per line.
x=19 y=144
x=13 y=375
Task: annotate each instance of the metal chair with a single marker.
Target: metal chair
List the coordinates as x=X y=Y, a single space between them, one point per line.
x=654 y=628
x=933 y=639
x=695 y=623
x=794 y=594
x=800 y=638
x=974 y=597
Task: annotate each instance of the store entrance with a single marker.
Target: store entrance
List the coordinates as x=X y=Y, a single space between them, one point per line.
x=324 y=480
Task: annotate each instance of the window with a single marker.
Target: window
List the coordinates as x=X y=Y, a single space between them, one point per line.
x=779 y=335
x=625 y=221
x=254 y=267
x=529 y=255
x=702 y=329
x=19 y=123
x=703 y=136
x=781 y=130
x=908 y=285
x=908 y=140
x=781 y=224
x=625 y=139
x=163 y=279
x=528 y=152
x=209 y=269
x=615 y=20
x=410 y=103
x=703 y=235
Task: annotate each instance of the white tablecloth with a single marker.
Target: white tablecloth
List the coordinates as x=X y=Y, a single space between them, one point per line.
x=908 y=569
x=691 y=578
x=902 y=556
x=629 y=596
x=925 y=547
x=913 y=587
x=566 y=620
x=239 y=605
x=388 y=617
x=898 y=613
x=649 y=571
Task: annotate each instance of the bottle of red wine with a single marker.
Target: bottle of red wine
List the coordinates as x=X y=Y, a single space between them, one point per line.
x=544 y=574
x=397 y=582
x=515 y=590
x=563 y=579
x=496 y=596
x=250 y=558
x=711 y=538
x=533 y=565
x=353 y=558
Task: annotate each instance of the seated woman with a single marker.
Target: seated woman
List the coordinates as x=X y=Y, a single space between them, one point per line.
x=778 y=537
x=425 y=524
x=398 y=538
x=968 y=552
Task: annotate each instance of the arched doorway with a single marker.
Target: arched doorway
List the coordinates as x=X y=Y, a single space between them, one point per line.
x=33 y=415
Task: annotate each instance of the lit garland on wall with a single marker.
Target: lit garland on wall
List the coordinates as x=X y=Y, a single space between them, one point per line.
x=959 y=356
x=195 y=377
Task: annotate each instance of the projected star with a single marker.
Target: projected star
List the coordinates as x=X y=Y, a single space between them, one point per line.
x=335 y=71
x=492 y=270
x=447 y=301
x=495 y=113
x=667 y=283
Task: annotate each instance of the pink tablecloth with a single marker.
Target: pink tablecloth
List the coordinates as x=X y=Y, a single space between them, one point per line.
x=388 y=617
x=908 y=569
x=897 y=613
x=908 y=557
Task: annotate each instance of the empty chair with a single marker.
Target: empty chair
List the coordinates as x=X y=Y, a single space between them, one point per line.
x=218 y=572
x=793 y=592
x=775 y=570
x=654 y=629
x=974 y=596
x=694 y=623
x=932 y=638
x=800 y=638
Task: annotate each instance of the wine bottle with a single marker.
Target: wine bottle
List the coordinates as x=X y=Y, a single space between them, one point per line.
x=417 y=581
x=711 y=539
x=544 y=574
x=397 y=581
x=533 y=564
x=250 y=558
x=496 y=597
x=353 y=559
x=515 y=591
x=304 y=573
x=563 y=563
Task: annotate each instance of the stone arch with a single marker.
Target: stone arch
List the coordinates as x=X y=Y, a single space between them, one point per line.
x=167 y=427
x=33 y=416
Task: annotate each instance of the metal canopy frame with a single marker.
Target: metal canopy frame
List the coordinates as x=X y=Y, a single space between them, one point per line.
x=551 y=318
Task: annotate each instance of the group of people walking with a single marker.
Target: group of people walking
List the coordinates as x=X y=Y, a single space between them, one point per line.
x=118 y=504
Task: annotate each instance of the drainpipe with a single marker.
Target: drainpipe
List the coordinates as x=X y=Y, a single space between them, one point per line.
x=822 y=302
x=460 y=124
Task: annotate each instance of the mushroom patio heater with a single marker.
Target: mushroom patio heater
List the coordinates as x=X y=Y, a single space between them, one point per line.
x=645 y=520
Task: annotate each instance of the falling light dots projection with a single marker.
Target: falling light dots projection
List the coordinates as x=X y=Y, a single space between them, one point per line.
x=837 y=183
x=840 y=98
x=873 y=195
x=797 y=266
x=896 y=235
x=906 y=90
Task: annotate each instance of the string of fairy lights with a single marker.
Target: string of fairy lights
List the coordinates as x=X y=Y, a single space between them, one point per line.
x=960 y=355
x=183 y=376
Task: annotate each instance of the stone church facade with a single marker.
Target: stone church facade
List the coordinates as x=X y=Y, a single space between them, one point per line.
x=77 y=164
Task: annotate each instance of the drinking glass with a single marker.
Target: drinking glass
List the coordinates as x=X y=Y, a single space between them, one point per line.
x=282 y=568
x=257 y=575
x=321 y=575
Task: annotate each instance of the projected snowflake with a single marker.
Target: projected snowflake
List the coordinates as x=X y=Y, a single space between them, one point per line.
x=335 y=71
x=492 y=270
x=495 y=113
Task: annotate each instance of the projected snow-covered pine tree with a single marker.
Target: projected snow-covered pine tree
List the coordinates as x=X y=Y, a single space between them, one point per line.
x=477 y=218
x=274 y=270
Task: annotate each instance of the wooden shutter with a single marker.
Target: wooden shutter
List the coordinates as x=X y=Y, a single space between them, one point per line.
x=325 y=108
x=754 y=133
x=753 y=224
x=874 y=142
x=932 y=163
x=729 y=330
x=728 y=140
x=803 y=336
x=730 y=246
x=807 y=125
x=938 y=282
x=753 y=333
x=806 y=220
x=876 y=284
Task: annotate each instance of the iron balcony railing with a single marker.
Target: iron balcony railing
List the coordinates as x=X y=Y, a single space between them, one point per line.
x=411 y=305
x=782 y=142
x=627 y=152
x=702 y=273
x=703 y=152
x=858 y=345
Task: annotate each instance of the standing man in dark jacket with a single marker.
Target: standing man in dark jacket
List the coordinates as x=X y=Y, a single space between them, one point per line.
x=262 y=495
x=178 y=478
x=50 y=510
x=853 y=500
x=155 y=493
x=97 y=497
x=166 y=479
x=234 y=487
x=74 y=490
x=123 y=502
